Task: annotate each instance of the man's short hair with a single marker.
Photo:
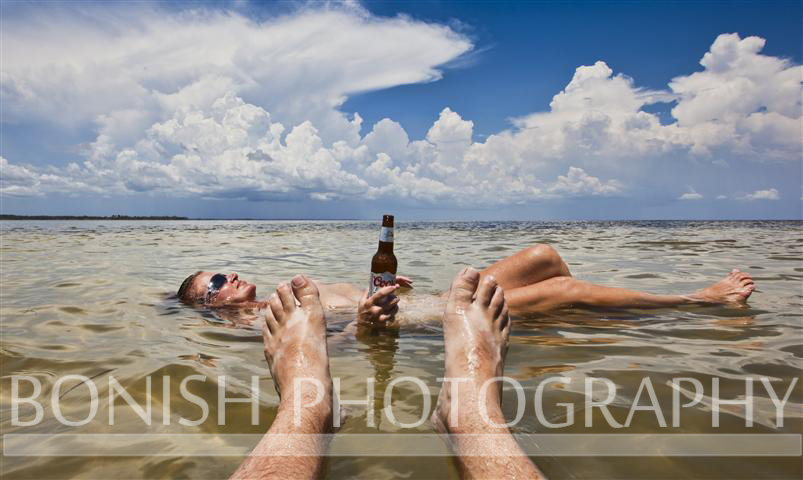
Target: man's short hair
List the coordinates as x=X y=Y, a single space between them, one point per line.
x=185 y=291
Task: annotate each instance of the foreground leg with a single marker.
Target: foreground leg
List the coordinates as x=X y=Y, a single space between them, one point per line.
x=561 y=292
x=476 y=332
x=295 y=347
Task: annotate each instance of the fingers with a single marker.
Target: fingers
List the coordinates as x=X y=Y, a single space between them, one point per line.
x=391 y=310
x=383 y=313
x=382 y=292
x=403 y=281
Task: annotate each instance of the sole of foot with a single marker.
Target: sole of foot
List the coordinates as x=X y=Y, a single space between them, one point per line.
x=476 y=331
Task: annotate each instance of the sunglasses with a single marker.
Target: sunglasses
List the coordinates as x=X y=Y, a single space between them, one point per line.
x=215 y=284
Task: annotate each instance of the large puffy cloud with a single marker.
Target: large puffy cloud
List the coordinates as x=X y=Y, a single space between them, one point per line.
x=742 y=100
x=111 y=65
x=257 y=116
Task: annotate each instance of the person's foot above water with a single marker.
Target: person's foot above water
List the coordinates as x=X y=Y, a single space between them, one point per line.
x=476 y=331
x=736 y=287
x=295 y=341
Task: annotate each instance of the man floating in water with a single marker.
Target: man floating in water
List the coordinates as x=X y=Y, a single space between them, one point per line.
x=535 y=279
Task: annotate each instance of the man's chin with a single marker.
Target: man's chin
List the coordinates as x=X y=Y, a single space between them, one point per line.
x=252 y=293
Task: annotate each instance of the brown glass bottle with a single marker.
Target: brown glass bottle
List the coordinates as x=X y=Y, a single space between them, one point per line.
x=384 y=264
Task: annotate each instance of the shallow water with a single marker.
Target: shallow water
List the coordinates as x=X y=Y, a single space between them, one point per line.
x=90 y=298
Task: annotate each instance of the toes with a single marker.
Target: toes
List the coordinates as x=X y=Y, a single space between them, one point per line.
x=306 y=292
x=486 y=290
x=498 y=301
x=747 y=281
x=267 y=330
x=276 y=308
x=271 y=325
x=286 y=297
x=741 y=276
x=463 y=287
x=504 y=323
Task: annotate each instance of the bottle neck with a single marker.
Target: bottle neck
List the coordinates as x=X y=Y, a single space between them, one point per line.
x=386 y=239
x=385 y=247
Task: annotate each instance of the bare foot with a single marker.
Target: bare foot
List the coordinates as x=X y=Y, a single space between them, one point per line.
x=734 y=288
x=476 y=330
x=295 y=343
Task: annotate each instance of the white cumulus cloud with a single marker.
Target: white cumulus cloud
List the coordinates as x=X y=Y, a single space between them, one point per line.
x=212 y=104
x=691 y=195
x=125 y=68
x=578 y=182
x=744 y=101
x=768 y=194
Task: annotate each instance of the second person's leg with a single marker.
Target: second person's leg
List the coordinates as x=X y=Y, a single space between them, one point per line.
x=526 y=267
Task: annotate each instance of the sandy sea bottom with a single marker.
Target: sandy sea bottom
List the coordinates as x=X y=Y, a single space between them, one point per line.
x=91 y=298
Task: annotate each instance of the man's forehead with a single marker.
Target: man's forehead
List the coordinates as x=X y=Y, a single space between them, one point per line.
x=202 y=280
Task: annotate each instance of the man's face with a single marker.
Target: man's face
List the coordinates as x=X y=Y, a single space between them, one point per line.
x=232 y=292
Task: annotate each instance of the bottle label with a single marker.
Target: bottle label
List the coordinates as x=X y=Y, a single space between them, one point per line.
x=386 y=234
x=379 y=280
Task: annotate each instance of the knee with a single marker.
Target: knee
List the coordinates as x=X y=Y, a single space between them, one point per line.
x=543 y=254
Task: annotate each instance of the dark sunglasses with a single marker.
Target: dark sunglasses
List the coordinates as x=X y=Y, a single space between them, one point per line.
x=215 y=284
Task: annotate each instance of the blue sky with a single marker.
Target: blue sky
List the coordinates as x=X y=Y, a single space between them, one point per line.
x=430 y=110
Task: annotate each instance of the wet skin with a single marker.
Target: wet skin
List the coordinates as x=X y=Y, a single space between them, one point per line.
x=476 y=335
x=735 y=288
x=535 y=279
x=294 y=336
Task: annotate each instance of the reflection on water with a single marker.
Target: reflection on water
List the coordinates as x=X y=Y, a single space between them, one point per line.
x=90 y=298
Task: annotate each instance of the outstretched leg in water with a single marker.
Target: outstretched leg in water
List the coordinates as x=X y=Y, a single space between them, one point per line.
x=537 y=279
x=476 y=329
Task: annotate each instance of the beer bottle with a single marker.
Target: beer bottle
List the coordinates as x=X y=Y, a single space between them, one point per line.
x=383 y=265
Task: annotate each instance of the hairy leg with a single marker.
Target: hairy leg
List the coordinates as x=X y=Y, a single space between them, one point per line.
x=295 y=348
x=476 y=330
x=561 y=292
x=526 y=267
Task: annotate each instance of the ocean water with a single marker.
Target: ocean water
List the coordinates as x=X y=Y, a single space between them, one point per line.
x=92 y=298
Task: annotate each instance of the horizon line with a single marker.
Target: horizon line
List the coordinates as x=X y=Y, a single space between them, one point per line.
x=117 y=217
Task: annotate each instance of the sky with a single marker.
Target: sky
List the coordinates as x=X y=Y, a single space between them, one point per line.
x=430 y=110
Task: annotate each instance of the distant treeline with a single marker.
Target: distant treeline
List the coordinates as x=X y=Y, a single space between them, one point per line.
x=85 y=217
